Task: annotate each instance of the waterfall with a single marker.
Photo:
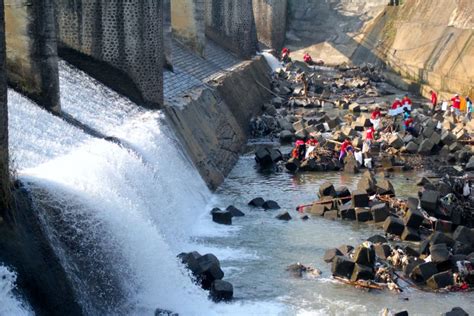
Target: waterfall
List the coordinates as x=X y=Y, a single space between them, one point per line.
x=10 y=304
x=116 y=213
x=272 y=61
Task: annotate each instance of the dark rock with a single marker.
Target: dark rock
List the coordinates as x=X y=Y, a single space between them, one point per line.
x=402 y=313
x=190 y=260
x=257 y=202
x=270 y=205
x=439 y=253
x=215 y=209
x=410 y=234
x=363 y=214
x=222 y=217
x=327 y=189
x=284 y=216
x=380 y=212
x=347 y=212
x=292 y=165
x=209 y=270
x=424 y=248
x=304 y=217
x=385 y=187
x=263 y=157
x=393 y=225
x=345 y=249
x=383 y=251
x=377 y=239
x=440 y=238
x=362 y=272
x=456 y=311
x=464 y=235
x=460 y=248
x=413 y=218
x=422 y=272
x=413 y=203
x=409 y=251
x=342 y=192
x=364 y=256
x=221 y=291
x=235 y=211
x=330 y=254
x=342 y=267
x=440 y=280
x=443 y=226
x=360 y=198
x=429 y=200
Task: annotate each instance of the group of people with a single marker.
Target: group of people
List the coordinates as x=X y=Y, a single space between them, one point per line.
x=304 y=148
x=285 y=57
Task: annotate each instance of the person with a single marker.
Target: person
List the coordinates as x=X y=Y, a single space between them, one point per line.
x=369 y=138
x=406 y=100
x=300 y=149
x=469 y=108
x=434 y=99
x=307 y=58
x=396 y=104
x=311 y=144
x=456 y=105
x=376 y=114
x=409 y=128
x=285 y=55
x=406 y=113
x=346 y=147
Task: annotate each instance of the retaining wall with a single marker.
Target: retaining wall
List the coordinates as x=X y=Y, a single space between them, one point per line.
x=270 y=20
x=188 y=23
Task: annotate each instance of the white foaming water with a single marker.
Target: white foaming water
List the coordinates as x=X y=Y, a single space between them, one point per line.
x=116 y=217
x=272 y=61
x=10 y=304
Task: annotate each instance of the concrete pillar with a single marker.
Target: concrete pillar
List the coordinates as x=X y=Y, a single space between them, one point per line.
x=118 y=42
x=188 y=23
x=32 y=59
x=232 y=25
x=4 y=171
x=167 y=35
x=270 y=20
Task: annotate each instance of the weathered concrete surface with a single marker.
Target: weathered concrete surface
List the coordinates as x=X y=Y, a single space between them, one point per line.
x=270 y=20
x=25 y=247
x=32 y=59
x=118 y=42
x=4 y=166
x=431 y=43
x=231 y=24
x=213 y=122
x=188 y=23
x=326 y=29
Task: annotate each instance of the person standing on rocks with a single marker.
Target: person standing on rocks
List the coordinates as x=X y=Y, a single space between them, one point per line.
x=469 y=108
x=307 y=58
x=434 y=99
x=285 y=55
x=406 y=101
x=346 y=147
x=396 y=104
x=456 y=106
x=369 y=139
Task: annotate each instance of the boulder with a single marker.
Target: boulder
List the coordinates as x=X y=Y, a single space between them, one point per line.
x=410 y=234
x=365 y=256
x=330 y=254
x=456 y=311
x=362 y=272
x=423 y=271
x=270 y=205
x=235 y=211
x=209 y=270
x=377 y=239
x=440 y=238
x=284 y=216
x=360 y=198
x=221 y=291
x=464 y=235
x=426 y=147
x=411 y=147
x=292 y=165
x=429 y=200
x=393 y=225
x=439 y=253
x=347 y=211
x=286 y=137
x=413 y=218
x=190 y=261
x=382 y=251
x=413 y=203
x=257 y=202
x=443 y=226
x=222 y=217
x=263 y=157
x=363 y=214
x=327 y=189
x=440 y=280
x=342 y=267
x=380 y=212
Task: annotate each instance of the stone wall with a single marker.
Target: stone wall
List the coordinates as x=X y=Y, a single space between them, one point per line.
x=4 y=170
x=32 y=60
x=232 y=25
x=270 y=20
x=167 y=34
x=213 y=123
x=124 y=35
x=188 y=23
x=430 y=43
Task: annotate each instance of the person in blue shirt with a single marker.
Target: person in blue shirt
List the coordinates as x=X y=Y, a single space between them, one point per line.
x=469 y=107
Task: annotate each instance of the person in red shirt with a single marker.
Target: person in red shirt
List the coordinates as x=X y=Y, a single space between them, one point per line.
x=434 y=99
x=307 y=59
x=456 y=104
x=345 y=148
x=396 y=104
x=369 y=134
x=312 y=142
x=376 y=114
x=406 y=100
x=285 y=55
x=409 y=126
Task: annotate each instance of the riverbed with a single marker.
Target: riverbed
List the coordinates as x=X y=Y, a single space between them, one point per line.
x=257 y=248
